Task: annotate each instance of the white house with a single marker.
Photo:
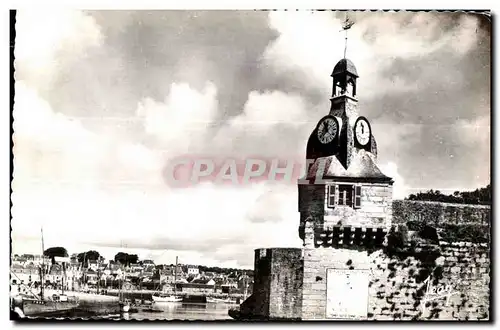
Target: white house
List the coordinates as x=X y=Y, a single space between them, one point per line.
x=193 y=271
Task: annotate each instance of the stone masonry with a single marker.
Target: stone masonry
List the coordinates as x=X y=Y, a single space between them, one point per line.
x=449 y=255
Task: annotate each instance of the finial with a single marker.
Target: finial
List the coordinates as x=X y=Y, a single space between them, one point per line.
x=346 y=26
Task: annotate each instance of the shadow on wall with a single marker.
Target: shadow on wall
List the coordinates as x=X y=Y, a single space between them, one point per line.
x=435 y=264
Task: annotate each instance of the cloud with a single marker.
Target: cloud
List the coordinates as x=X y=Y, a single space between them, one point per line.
x=375 y=42
x=272 y=124
x=275 y=205
x=44 y=39
x=52 y=148
x=46 y=143
x=477 y=130
x=160 y=221
x=85 y=192
x=399 y=188
x=271 y=108
x=181 y=120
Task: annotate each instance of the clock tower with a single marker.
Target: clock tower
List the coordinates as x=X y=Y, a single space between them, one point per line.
x=346 y=131
x=345 y=204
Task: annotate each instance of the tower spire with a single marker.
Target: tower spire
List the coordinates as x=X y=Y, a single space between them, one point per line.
x=347 y=24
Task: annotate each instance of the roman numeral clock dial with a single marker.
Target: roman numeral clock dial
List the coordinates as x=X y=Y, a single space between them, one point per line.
x=328 y=129
x=362 y=131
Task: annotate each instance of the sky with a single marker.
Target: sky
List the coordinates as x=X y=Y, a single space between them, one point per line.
x=104 y=101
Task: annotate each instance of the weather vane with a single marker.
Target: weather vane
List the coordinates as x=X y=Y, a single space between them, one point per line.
x=346 y=26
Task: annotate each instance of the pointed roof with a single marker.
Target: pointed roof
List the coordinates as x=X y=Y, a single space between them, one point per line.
x=362 y=168
x=345 y=65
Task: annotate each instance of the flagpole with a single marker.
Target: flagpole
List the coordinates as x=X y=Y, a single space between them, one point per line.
x=345 y=44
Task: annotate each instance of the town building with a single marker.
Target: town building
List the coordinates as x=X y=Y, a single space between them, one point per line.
x=193 y=271
x=196 y=287
x=167 y=275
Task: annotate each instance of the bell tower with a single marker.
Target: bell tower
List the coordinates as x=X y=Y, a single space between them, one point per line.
x=344 y=86
x=344 y=104
x=345 y=205
x=344 y=114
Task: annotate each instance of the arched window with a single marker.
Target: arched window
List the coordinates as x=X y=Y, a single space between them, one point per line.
x=338 y=89
x=350 y=88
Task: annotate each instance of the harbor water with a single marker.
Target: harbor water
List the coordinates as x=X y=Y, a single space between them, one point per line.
x=166 y=311
x=98 y=306
x=185 y=311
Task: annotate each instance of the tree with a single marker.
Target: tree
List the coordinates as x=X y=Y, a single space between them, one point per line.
x=56 y=251
x=121 y=257
x=133 y=258
x=126 y=259
x=85 y=257
x=478 y=196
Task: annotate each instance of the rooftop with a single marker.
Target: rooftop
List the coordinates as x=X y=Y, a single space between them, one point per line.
x=345 y=65
x=362 y=167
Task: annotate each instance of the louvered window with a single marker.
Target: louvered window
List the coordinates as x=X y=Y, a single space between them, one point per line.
x=344 y=194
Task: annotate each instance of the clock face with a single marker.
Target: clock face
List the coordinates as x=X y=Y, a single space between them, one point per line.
x=327 y=130
x=362 y=131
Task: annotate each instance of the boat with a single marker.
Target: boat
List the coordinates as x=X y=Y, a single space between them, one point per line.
x=37 y=306
x=124 y=306
x=162 y=297
x=221 y=300
x=229 y=299
x=32 y=304
x=166 y=298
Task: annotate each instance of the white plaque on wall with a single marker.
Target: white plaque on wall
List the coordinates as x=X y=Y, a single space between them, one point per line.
x=347 y=293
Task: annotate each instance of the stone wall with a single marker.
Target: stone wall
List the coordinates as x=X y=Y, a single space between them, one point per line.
x=404 y=211
x=402 y=281
x=277 y=285
x=316 y=263
x=286 y=283
x=433 y=247
x=444 y=250
x=422 y=254
x=375 y=210
x=257 y=305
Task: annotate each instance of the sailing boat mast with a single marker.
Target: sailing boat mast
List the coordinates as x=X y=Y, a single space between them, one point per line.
x=98 y=274
x=63 y=276
x=84 y=272
x=42 y=272
x=246 y=287
x=175 y=275
x=120 y=284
